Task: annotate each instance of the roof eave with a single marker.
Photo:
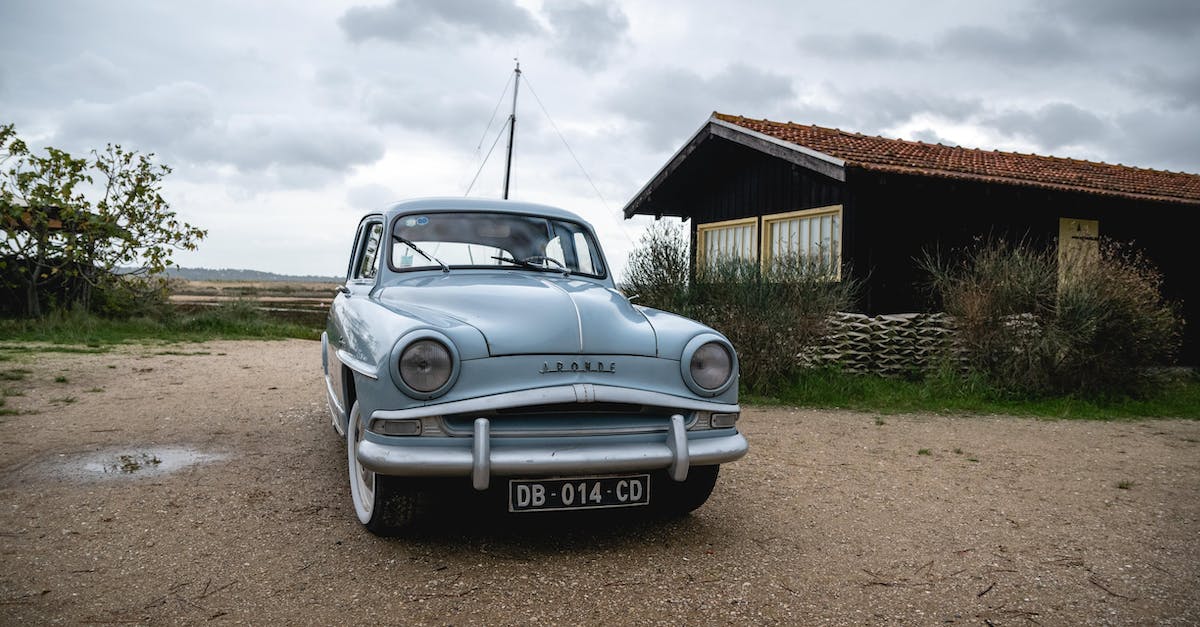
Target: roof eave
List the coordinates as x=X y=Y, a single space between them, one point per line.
x=713 y=127
x=1022 y=182
x=665 y=171
x=803 y=156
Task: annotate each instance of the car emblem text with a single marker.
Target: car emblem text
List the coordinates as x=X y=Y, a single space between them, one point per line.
x=578 y=366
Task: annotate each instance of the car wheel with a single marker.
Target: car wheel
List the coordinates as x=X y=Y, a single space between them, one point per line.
x=381 y=502
x=680 y=497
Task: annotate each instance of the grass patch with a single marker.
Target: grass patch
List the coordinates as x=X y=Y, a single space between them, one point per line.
x=86 y=333
x=61 y=379
x=1125 y=485
x=65 y=400
x=924 y=451
x=947 y=394
x=49 y=348
x=14 y=374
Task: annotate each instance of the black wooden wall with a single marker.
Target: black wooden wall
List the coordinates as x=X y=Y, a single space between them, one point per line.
x=890 y=220
x=899 y=217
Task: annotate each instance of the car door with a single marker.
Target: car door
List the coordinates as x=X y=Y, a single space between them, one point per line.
x=362 y=273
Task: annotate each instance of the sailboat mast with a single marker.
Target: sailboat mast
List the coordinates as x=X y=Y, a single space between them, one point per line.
x=512 y=129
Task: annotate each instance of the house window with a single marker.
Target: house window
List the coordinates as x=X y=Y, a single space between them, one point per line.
x=815 y=235
x=732 y=239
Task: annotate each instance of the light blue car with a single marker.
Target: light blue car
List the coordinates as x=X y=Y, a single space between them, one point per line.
x=484 y=342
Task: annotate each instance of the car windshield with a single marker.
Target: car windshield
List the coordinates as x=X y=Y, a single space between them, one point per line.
x=472 y=239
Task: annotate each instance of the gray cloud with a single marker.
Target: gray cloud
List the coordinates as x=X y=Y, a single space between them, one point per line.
x=1180 y=88
x=1037 y=44
x=668 y=103
x=88 y=76
x=864 y=46
x=263 y=143
x=1174 y=18
x=456 y=116
x=178 y=122
x=587 y=33
x=930 y=136
x=152 y=121
x=405 y=21
x=881 y=107
x=1052 y=126
x=1157 y=139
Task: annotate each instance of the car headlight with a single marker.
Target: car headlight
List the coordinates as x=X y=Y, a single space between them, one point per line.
x=708 y=364
x=426 y=365
x=711 y=366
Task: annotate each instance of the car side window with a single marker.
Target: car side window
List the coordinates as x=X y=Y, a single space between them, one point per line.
x=585 y=257
x=368 y=257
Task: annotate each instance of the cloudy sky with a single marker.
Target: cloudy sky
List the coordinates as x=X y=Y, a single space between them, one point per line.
x=285 y=121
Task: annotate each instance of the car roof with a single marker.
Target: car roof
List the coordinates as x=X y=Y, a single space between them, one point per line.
x=449 y=204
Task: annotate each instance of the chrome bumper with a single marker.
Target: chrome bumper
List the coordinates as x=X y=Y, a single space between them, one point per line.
x=675 y=453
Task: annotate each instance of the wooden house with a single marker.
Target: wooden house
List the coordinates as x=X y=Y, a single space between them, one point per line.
x=872 y=206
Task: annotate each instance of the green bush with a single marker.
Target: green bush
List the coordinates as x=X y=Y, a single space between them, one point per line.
x=659 y=268
x=127 y=296
x=1093 y=330
x=769 y=314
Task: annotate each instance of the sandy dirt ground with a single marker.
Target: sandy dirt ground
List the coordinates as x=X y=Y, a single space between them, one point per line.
x=833 y=518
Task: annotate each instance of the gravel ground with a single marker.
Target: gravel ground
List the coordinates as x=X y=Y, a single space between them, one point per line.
x=834 y=517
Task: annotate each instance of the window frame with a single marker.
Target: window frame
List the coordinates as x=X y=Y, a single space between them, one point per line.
x=702 y=231
x=355 y=246
x=360 y=247
x=597 y=253
x=768 y=220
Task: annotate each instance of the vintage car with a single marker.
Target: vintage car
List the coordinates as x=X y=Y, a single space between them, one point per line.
x=485 y=341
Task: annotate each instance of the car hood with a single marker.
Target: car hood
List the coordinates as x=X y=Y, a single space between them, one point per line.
x=527 y=313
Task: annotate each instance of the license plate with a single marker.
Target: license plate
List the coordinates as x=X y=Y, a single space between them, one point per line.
x=540 y=495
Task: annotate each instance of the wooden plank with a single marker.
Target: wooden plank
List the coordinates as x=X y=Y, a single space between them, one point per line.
x=804 y=157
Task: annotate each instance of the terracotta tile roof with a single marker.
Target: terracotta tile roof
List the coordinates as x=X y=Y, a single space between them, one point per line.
x=908 y=157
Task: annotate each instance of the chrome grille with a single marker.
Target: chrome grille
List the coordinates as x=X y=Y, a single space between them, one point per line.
x=567 y=419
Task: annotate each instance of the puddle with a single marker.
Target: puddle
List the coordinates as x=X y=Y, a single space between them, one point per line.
x=132 y=462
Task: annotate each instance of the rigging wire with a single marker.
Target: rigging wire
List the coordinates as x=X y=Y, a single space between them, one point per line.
x=499 y=102
x=485 y=158
x=483 y=136
x=621 y=222
x=529 y=85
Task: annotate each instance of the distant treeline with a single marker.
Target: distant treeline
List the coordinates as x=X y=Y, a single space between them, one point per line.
x=229 y=274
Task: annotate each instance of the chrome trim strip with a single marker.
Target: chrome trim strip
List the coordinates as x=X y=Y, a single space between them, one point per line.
x=335 y=409
x=677 y=442
x=481 y=455
x=578 y=316
x=556 y=395
x=553 y=433
x=357 y=365
x=541 y=459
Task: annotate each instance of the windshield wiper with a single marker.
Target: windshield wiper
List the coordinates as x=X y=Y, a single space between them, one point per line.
x=445 y=268
x=529 y=262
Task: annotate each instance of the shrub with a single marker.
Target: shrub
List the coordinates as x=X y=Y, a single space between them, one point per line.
x=1115 y=323
x=1031 y=330
x=659 y=267
x=769 y=314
